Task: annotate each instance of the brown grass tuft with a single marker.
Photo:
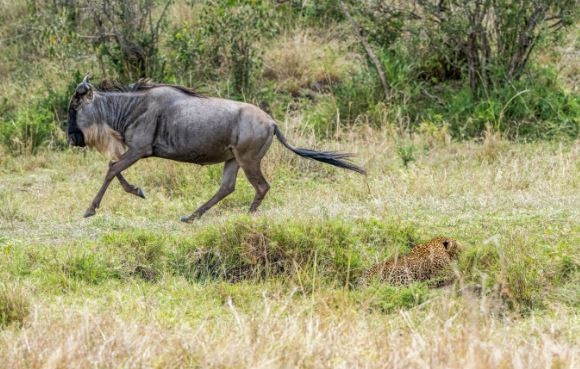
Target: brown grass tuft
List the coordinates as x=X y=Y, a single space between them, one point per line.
x=304 y=60
x=14 y=305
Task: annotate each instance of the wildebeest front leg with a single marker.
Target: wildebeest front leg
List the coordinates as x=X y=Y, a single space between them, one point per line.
x=128 y=187
x=228 y=186
x=127 y=159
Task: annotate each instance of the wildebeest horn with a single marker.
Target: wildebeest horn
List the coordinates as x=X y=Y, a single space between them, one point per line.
x=83 y=87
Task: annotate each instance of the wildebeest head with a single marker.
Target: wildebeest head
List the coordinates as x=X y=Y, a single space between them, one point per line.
x=83 y=94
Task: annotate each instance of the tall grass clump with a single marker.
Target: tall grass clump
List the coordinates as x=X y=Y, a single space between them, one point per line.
x=137 y=254
x=304 y=61
x=14 y=305
x=521 y=273
x=332 y=250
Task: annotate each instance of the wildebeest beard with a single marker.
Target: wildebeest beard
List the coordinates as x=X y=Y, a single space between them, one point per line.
x=75 y=135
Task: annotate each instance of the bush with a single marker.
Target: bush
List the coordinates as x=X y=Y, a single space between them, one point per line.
x=457 y=36
x=224 y=38
x=28 y=131
x=42 y=123
x=467 y=86
x=536 y=106
x=354 y=99
x=520 y=273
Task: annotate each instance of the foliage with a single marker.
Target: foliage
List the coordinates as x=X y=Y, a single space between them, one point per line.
x=224 y=37
x=535 y=106
x=462 y=66
x=27 y=131
x=407 y=153
x=126 y=34
x=491 y=40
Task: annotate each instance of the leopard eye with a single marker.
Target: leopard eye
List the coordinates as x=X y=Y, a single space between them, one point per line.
x=446 y=244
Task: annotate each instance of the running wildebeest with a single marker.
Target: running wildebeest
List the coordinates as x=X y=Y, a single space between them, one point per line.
x=158 y=120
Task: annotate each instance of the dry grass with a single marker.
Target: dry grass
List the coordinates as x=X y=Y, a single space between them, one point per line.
x=14 y=305
x=514 y=207
x=440 y=335
x=306 y=60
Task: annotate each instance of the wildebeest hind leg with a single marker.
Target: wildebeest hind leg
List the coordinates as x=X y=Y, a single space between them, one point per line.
x=250 y=161
x=228 y=186
x=254 y=174
x=128 y=187
x=127 y=159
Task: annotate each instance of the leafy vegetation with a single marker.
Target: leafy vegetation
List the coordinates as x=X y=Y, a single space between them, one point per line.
x=446 y=63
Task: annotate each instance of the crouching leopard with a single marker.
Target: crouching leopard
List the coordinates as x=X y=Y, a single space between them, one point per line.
x=424 y=262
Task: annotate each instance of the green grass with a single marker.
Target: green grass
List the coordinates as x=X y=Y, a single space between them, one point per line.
x=514 y=207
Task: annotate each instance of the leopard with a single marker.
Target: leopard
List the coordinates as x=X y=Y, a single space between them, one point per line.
x=424 y=262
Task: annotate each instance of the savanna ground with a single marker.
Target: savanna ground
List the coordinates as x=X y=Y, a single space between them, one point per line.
x=133 y=287
x=474 y=137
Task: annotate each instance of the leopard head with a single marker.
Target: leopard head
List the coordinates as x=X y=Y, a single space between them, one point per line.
x=452 y=247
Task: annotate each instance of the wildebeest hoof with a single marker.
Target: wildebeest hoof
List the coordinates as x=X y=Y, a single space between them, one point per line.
x=140 y=193
x=191 y=218
x=89 y=213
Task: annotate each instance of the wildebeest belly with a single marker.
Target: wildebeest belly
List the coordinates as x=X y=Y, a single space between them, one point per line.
x=194 y=142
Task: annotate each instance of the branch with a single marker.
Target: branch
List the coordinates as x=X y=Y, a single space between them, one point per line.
x=161 y=18
x=368 y=49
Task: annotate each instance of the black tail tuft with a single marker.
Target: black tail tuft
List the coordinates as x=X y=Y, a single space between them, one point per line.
x=338 y=159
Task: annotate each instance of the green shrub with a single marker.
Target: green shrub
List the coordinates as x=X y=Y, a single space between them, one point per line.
x=521 y=273
x=536 y=106
x=356 y=95
x=28 y=131
x=321 y=119
x=224 y=37
x=407 y=153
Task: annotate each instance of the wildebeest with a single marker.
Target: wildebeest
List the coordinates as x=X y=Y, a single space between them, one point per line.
x=146 y=119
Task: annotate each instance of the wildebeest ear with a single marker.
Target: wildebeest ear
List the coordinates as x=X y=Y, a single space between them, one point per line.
x=86 y=79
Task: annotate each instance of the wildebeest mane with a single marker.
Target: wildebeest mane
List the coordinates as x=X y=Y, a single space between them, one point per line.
x=141 y=85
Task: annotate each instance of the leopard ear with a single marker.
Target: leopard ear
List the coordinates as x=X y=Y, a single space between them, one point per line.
x=446 y=244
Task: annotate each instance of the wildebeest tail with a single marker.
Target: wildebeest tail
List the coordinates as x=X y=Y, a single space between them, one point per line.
x=336 y=158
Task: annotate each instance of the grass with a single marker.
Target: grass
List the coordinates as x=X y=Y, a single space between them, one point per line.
x=14 y=305
x=309 y=60
x=134 y=287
